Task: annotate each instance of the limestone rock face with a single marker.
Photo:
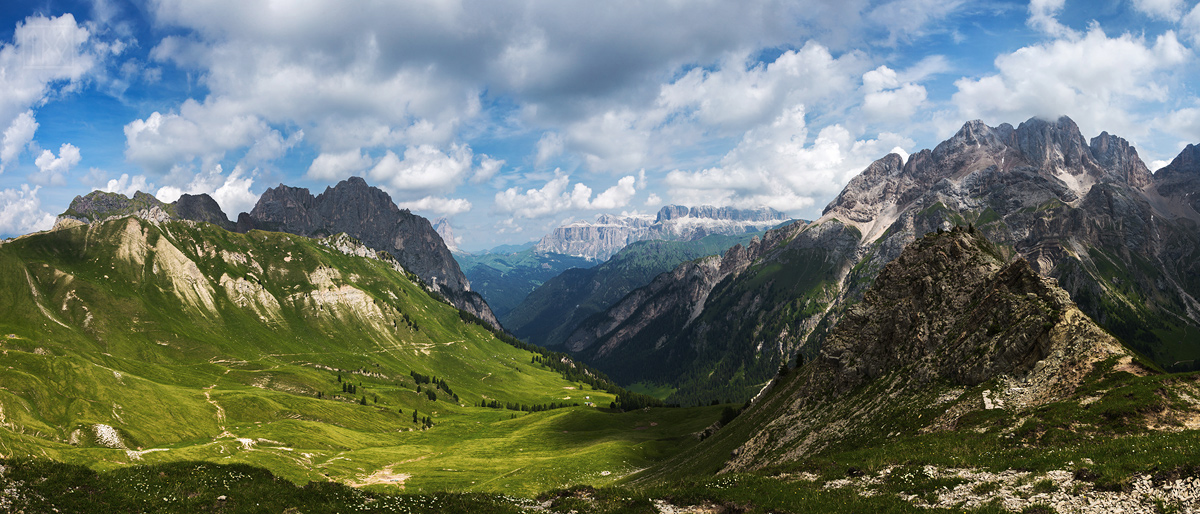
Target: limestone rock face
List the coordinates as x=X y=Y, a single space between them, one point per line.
x=368 y=214
x=610 y=233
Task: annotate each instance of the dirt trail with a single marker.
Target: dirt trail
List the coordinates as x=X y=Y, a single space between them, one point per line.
x=385 y=476
x=220 y=409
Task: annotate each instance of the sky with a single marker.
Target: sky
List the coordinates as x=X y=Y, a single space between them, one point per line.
x=512 y=117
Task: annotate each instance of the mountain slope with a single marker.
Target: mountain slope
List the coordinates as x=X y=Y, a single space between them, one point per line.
x=953 y=349
x=131 y=340
x=1086 y=213
x=552 y=311
x=368 y=214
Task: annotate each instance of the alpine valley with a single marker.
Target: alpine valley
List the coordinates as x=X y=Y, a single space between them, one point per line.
x=1005 y=323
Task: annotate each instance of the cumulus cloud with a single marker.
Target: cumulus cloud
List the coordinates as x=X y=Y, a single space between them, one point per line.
x=337 y=166
x=437 y=204
x=1097 y=80
x=775 y=165
x=887 y=99
x=199 y=131
x=17 y=136
x=21 y=212
x=557 y=196
x=424 y=168
x=53 y=170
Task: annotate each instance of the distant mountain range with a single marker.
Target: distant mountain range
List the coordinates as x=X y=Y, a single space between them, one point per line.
x=610 y=233
x=1121 y=241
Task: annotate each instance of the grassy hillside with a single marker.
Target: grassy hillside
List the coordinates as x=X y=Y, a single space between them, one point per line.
x=129 y=342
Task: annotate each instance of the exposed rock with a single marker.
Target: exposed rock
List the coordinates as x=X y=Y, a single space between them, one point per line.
x=610 y=233
x=102 y=205
x=369 y=215
x=443 y=228
x=202 y=208
x=948 y=312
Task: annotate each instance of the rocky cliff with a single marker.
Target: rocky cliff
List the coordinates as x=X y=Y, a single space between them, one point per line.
x=102 y=205
x=1121 y=241
x=606 y=236
x=368 y=214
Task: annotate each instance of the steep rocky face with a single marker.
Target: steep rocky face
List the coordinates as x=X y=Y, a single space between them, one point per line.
x=1122 y=242
x=610 y=233
x=202 y=207
x=443 y=228
x=1180 y=181
x=550 y=313
x=368 y=214
x=948 y=314
x=101 y=205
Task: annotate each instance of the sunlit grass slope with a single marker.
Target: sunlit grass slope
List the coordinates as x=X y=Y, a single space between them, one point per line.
x=131 y=342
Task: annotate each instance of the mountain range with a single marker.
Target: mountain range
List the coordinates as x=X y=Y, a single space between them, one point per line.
x=1123 y=243
x=610 y=233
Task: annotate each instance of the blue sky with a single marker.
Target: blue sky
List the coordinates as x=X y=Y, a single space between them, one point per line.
x=511 y=117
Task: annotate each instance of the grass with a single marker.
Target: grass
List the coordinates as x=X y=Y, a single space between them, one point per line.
x=109 y=324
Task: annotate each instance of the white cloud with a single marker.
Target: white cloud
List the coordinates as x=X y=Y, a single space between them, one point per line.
x=45 y=52
x=774 y=165
x=548 y=147
x=887 y=99
x=53 y=170
x=617 y=196
x=21 y=212
x=1190 y=25
x=424 y=168
x=1169 y=10
x=653 y=200
x=231 y=192
x=337 y=166
x=557 y=196
x=199 y=131
x=127 y=185
x=1043 y=16
x=1100 y=82
x=437 y=204
x=17 y=136
x=906 y=19
x=488 y=167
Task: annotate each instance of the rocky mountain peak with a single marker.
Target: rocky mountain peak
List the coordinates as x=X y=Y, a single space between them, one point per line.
x=202 y=207
x=102 y=205
x=368 y=214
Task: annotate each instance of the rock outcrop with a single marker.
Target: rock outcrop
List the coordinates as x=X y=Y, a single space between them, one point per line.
x=610 y=233
x=949 y=313
x=103 y=205
x=369 y=215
